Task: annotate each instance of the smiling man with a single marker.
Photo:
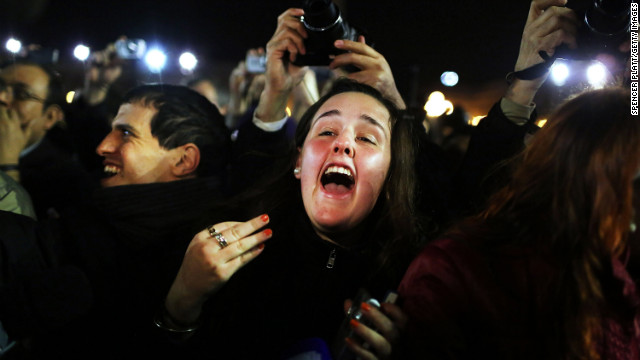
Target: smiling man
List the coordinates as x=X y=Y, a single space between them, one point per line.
x=165 y=163
x=164 y=133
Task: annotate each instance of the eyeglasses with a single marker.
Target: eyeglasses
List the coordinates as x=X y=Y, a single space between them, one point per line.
x=19 y=92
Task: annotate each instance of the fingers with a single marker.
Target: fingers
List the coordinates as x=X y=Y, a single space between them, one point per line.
x=396 y=314
x=372 y=342
x=380 y=321
x=375 y=339
x=359 y=350
x=241 y=230
x=347 y=305
x=549 y=25
x=539 y=6
x=289 y=35
x=554 y=27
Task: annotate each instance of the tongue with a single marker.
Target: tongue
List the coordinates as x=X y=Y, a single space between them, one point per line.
x=334 y=188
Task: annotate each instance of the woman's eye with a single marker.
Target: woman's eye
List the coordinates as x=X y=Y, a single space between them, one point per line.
x=326 y=133
x=366 y=139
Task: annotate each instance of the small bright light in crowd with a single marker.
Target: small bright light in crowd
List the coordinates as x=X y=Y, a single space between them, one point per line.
x=70 y=96
x=13 y=45
x=188 y=61
x=474 y=121
x=559 y=73
x=541 y=122
x=449 y=78
x=81 y=52
x=437 y=105
x=288 y=111
x=155 y=60
x=597 y=74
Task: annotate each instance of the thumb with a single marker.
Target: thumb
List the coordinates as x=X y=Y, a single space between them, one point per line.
x=347 y=305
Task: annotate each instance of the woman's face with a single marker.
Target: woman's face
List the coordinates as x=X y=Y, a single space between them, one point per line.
x=344 y=161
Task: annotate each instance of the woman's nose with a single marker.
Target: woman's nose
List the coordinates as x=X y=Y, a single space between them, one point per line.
x=343 y=145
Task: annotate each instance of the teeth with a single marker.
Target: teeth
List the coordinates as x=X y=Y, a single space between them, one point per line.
x=338 y=169
x=110 y=169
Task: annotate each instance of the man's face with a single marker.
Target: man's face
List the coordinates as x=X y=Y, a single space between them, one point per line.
x=131 y=154
x=26 y=92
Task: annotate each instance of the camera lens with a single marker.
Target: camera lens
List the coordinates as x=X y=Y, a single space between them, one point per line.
x=608 y=17
x=320 y=14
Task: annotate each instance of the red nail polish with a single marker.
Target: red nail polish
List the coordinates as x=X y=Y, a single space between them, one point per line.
x=268 y=232
x=264 y=218
x=365 y=307
x=261 y=246
x=349 y=340
x=354 y=323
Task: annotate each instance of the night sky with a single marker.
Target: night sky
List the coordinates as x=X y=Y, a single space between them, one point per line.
x=478 y=39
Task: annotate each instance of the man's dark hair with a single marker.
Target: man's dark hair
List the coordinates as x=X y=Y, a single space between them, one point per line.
x=55 y=89
x=183 y=117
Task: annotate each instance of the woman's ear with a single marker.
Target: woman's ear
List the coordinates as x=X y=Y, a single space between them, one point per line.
x=297 y=170
x=187 y=164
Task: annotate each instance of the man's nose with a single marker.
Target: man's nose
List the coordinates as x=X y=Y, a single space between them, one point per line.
x=108 y=145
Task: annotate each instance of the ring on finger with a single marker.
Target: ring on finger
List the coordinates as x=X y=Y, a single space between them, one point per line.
x=219 y=238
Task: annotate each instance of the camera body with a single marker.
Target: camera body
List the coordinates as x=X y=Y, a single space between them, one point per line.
x=256 y=64
x=605 y=25
x=43 y=56
x=324 y=26
x=130 y=48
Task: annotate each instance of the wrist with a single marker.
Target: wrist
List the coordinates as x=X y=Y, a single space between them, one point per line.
x=523 y=91
x=9 y=167
x=272 y=105
x=163 y=320
x=181 y=307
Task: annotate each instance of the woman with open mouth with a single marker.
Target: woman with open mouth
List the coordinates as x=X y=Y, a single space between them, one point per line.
x=340 y=218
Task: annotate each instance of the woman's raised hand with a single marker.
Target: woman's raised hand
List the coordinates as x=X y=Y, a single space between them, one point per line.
x=376 y=341
x=213 y=256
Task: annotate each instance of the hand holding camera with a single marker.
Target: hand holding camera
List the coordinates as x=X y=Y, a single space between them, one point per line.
x=370 y=328
x=371 y=68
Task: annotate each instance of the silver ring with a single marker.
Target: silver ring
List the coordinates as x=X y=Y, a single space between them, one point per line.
x=219 y=238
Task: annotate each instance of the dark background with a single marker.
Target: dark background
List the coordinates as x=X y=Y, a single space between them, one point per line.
x=420 y=39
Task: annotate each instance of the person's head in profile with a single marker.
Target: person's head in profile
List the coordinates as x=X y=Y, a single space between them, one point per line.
x=164 y=133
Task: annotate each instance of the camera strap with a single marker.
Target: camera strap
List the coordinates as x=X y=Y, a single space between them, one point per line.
x=533 y=72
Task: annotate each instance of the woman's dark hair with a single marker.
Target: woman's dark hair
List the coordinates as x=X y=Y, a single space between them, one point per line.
x=392 y=219
x=184 y=116
x=571 y=197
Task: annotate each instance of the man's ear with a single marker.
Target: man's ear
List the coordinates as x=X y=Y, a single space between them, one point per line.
x=52 y=115
x=298 y=165
x=187 y=162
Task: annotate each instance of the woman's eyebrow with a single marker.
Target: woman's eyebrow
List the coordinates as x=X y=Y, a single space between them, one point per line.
x=373 y=121
x=327 y=113
x=364 y=117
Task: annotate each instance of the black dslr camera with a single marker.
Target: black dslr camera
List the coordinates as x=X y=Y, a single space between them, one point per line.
x=605 y=26
x=324 y=26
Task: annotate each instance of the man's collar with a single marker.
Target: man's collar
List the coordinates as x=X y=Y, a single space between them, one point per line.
x=30 y=148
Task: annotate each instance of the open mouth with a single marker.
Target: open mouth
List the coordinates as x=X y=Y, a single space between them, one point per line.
x=110 y=170
x=337 y=180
